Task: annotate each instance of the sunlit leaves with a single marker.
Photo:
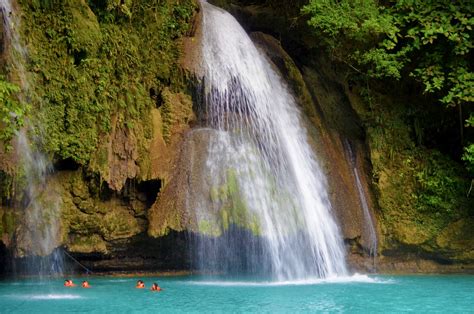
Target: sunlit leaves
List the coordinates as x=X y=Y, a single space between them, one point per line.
x=427 y=40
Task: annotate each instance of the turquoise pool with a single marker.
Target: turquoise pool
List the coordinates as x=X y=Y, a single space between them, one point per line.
x=187 y=294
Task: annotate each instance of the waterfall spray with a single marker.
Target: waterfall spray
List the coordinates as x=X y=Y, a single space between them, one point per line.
x=263 y=207
x=39 y=233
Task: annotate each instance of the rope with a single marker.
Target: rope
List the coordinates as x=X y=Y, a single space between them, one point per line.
x=88 y=271
x=470 y=189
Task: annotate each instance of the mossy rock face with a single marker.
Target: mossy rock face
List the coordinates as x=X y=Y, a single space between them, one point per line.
x=411 y=233
x=458 y=239
x=90 y=223
x=79 y=187
x=87 y=244
x=86 y=37
x=7 y=225
x=7 y=222
x=415 y=211
x=421 y=192
x=176 y=112
x=232 y=209
x=119 y=224
x=89 y=64
x=110 y=93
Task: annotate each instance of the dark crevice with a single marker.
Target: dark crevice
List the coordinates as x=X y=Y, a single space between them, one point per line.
x=66 y=164
x=157 y=97
x=170 y=252
x=150 y=189
x=79 y=56
x=3 y=259
x=144 y=191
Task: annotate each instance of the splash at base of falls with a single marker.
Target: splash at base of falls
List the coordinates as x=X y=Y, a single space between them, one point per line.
x=261 y=203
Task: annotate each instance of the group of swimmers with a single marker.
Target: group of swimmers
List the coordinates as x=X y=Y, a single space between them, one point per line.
x=154 y=286
x=69 y=283
x=140 y=285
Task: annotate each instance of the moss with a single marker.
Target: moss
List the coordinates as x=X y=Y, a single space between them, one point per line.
x=88 y=244
x=233 y=209
x=84 y=224
x=8 y=222
x=6 y=184
x=214 y=194
x=176 y=110
x=79 y=187
x=85 y=37
x=458 y=237
x=172 y=221
x=118 y=224
x=209 y=228
x=86 y=66
x=298 y=85
x=420 y=191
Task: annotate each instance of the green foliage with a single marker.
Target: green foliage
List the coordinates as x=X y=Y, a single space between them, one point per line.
x=429 y=40
x=358 y=21
x=440 y=184
x=120 y=6
x=12 y=112
x=468 y=158
x=92 y=73
x=420 y=191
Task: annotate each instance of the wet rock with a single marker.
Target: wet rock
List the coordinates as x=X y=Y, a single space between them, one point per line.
x=170 y=212
x=92 y=243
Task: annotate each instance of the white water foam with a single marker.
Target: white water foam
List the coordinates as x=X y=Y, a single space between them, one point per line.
x=49 y=296
x=121 y=280
x=56 y=297
x=356 y=278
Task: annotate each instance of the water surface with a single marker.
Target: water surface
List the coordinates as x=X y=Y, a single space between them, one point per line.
x=192 y=294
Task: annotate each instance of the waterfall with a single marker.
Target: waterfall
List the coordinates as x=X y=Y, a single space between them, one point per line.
x=263 y=205
x=368 y=217
x=372 y=235
x=11 y=25
x=39 y=233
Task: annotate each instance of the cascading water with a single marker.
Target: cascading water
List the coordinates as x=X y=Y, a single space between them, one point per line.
x=264 y=207
x=372 y=235
x=39 y=233
x=11 y=24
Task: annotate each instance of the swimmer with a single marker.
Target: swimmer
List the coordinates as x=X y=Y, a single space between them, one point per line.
x=69 y=283
x=85 y=284
x=155 y=287
x=140 y=284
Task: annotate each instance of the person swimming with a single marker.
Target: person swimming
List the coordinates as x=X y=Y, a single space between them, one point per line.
x=140 y=284
x=155 y=287
x=85 y=284
x=69 y=283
